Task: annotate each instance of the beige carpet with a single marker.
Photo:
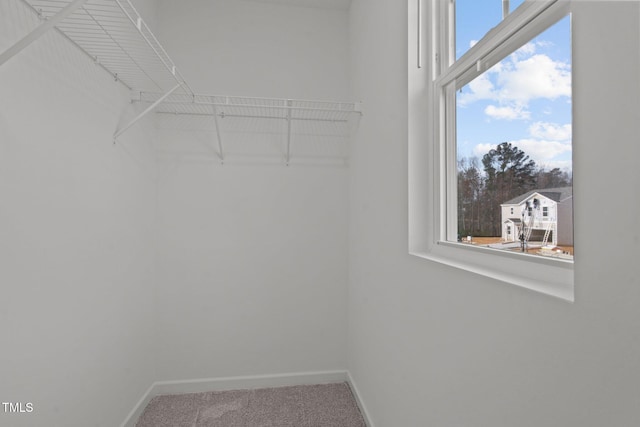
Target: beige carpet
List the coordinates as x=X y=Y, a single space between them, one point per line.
x=326 y=405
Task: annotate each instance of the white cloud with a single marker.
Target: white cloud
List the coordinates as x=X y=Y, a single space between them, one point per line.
x=507 y=112
x=481 y=149
x=480 y=88
x=535 y=77
x=530 y=48
x=516 y=81
x=550 y=131
x=543 y=151
x=526 y=50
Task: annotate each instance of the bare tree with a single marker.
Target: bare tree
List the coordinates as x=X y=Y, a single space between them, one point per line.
x=553 y=178
x=470 y=187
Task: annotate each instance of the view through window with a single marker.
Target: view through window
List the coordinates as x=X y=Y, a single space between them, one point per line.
x=513 y=140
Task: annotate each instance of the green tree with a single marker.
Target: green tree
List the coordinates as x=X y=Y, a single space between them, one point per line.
x=509 y=172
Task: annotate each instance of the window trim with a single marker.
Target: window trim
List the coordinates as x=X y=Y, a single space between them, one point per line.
x=427 y=141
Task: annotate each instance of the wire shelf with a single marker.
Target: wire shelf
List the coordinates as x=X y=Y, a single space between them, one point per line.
x=267 y=108
x=114 y=35
x=257 y=127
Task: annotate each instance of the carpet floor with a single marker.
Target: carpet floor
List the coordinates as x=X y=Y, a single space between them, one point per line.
x=323 y=405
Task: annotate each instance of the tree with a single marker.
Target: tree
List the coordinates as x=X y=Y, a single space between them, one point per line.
x=470 y=186
x=509 y=172
x=509 y=169
x=553 y=178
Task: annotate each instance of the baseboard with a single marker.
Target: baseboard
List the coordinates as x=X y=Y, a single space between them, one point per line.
x=359 y=401
x=232 y=383
x=135 y=413
x=248 y=382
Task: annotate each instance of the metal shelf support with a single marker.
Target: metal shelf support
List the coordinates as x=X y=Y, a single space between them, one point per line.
x=289 y=103
x=144 y=113
x=220 y=149
x=40 y=30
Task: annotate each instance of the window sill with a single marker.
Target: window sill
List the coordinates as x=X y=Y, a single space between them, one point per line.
x=552 y=277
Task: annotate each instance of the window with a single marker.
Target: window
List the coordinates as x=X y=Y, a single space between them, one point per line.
x=480 y=105
x=511 y=121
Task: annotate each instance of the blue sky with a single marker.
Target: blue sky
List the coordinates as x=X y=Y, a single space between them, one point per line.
x=525 y=99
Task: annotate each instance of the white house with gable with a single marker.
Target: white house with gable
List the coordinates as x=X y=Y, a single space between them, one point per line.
x=546 y=214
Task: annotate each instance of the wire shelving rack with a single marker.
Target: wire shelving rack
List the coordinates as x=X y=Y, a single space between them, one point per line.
x=292 y=127
x=114 y=35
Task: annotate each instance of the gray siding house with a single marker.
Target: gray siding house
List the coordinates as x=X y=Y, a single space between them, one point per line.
x=546 y=215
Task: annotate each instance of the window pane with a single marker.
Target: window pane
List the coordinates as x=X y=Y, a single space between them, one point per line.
x=474 y=18
x=514 y=144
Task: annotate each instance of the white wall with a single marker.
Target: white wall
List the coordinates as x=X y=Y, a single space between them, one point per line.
x=433 y=346
x=252 y=258
x=77 y=226
x=258 y=49
x=253 y=270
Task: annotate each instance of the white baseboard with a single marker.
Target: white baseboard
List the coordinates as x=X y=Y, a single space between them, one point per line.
x=248 y=382
x=135 y=413
x=233 y=383
x=359 y=401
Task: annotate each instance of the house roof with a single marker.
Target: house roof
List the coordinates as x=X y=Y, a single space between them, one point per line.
x=514 y=220
x=555 y=194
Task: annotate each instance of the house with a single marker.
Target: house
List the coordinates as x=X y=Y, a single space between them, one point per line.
x=124 y=269
x=547 y=216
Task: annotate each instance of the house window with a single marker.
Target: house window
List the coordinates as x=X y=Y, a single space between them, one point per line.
x=499 y=117
x=545 y=212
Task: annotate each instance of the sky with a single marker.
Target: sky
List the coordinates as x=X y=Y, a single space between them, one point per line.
x=525 y=99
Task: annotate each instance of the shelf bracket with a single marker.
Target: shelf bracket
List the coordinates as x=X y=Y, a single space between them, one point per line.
x=288 y=159
x=144 y=113
x=40 y=30
x=215 y=119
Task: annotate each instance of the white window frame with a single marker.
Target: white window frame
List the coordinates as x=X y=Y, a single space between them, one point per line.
x=432 y=174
